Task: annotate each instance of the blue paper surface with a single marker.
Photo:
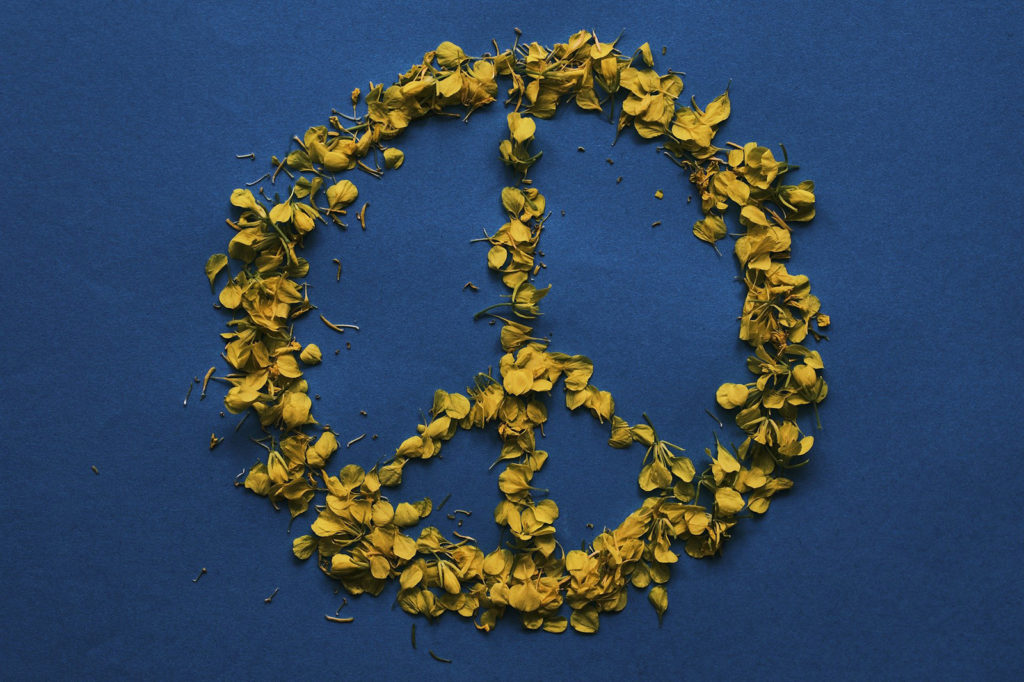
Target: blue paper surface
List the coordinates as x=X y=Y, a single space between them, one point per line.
x=896 y=554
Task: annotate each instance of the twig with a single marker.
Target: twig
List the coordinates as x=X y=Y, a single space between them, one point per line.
x=717 y=420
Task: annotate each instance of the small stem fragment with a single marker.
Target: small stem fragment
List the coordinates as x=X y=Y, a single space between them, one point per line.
x=190 y=385
x=95 y=470
x=201 y=574
x=206 y=380
x=361 y=216
x=272 y=594
x=355 y=440
x=438 y=658
x=717 y=420
x=340 y=328
x=280 y=167
x=250 y=155
x=334 y=619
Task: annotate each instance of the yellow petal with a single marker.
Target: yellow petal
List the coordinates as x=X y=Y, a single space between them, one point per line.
x=731 y=396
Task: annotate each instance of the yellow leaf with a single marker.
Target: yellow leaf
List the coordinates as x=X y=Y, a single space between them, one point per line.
x=804 y=375
x=341 y=194
x=522 y=128
x=710 y=229
x=555 y=624
x=643 y=434
x=288 y=367
x=450 y=85
x=214 y=265
x=404 y=547
x=406 y=515
x=243 y=198
x=513 y=201
x=524 y=597
x=281 y=213
x=658 y=597
x=458 y=406
x=324 y=447
x=731 y=396
x=518 y=381
x=257 y=479
x=645 y=54
x=295 y=409
x=239 y=398
x=585 y=620
x=303 y=547
x=717 y=111
x=496 y=257
x=728 y=501
x=753 y=215
x=726 y=461
x=276 y=467
x=379 y=567
x=449 y=55
x=311 y=355
x=410 y=447
x=411 y=576
x=393 y=158
x=230 y=296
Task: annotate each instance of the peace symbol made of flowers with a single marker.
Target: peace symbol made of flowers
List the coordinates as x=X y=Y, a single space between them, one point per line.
x=359 y=534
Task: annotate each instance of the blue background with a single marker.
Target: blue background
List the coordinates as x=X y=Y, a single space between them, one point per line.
x=897 y=554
